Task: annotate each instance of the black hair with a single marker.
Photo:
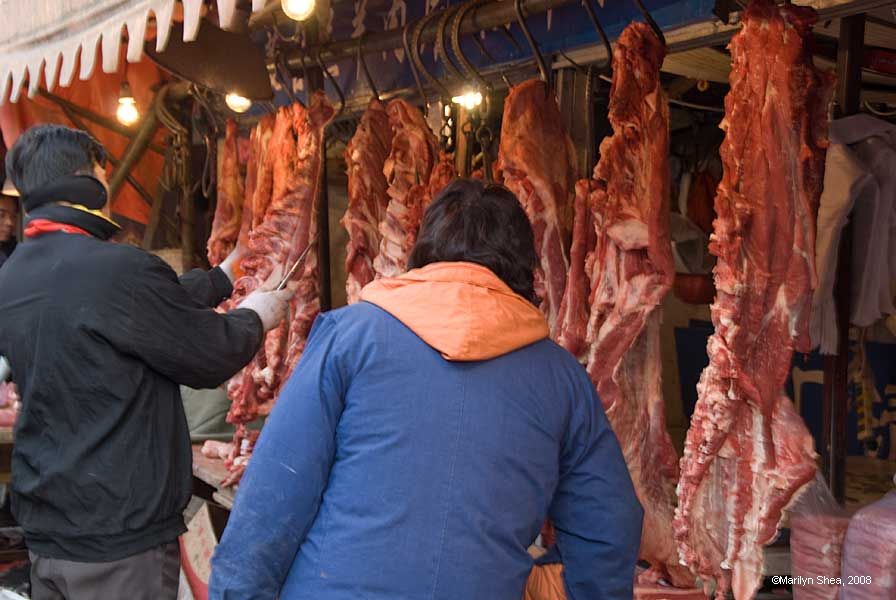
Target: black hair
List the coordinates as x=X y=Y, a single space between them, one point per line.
x=482 y=224
x=45 y=153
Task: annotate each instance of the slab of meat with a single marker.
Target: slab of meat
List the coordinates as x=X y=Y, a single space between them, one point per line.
x=410 y=163
x=215 y=449
x=748 y=452
x=630 y=271
x=574 y=309
x=442 y=174
x=229 y=209
x=536 y=161
x=365 y=157
x=259 y=142
x=283 y=233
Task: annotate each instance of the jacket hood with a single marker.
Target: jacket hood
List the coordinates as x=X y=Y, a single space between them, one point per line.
x=461 y=309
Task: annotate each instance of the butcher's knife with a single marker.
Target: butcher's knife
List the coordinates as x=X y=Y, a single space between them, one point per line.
x=295 y=265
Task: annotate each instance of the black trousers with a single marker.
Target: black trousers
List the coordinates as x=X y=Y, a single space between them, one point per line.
x=151 y=575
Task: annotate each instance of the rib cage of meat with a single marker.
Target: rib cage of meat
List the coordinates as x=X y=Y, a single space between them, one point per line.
x=630 y=270
x=229 y=210
x=748 y=453
x=365 y=156
x=285 y=230
x=536 y=161
x=407 y=170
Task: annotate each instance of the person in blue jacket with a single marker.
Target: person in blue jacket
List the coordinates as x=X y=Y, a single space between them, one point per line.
x=426 y=434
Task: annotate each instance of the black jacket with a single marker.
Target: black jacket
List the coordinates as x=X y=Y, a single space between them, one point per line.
x=99 y=335
x=6 y=249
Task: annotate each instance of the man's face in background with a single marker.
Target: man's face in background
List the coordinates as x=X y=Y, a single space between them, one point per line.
x=9 y=213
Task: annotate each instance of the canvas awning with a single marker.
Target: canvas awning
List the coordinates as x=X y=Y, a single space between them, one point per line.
x=48 y=36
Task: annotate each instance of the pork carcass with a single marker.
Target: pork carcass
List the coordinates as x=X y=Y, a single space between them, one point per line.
x=407 y=170
x=630 y=271
x=748 y=452
x=288 y=225
x=536 y=161
x=365 y=157
x=229 y=210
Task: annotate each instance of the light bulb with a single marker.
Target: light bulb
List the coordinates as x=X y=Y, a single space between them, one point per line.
x=127 y=112
x=468 y=100
x=298 y=10
x=237 y=103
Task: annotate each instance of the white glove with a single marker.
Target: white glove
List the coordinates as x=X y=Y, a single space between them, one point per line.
x=270 y=306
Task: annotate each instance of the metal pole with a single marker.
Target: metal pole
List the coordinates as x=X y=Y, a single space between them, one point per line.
x=486 y=17
x=136 y=148
x=323 y=239
x=187 y=208
x=836 y=368
x=96 y=119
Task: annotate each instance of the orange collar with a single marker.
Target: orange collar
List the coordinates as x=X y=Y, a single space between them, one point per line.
x=38 y=227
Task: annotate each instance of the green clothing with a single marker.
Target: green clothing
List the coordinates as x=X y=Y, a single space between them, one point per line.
x=206 y=412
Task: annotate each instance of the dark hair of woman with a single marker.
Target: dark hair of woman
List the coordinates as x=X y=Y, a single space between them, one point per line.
x=482 y=224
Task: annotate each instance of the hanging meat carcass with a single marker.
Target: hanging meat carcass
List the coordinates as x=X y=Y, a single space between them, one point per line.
x=536 y=161
x=368 y=199
x=408 y=169
x=284 y=231
x=630 y=271
x=748 y=452
x=229 y=210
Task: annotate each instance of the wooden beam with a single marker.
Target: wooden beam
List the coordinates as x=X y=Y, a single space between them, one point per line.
x=836 y=368
x=96 y=119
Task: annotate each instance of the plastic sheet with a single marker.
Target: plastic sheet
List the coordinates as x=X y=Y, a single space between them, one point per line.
x=869 y=553
x=817 y=528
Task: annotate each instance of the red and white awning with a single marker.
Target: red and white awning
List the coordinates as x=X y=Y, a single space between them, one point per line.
x=48 y=36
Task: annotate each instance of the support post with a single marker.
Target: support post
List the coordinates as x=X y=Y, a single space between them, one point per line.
x=836 y=368
x=136 y=147
x=187 y=209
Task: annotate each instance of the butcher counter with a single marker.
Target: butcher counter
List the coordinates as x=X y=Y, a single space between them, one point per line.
x=208 y=473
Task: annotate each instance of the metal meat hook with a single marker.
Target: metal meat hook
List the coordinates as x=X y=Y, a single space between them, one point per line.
x=539 y=59
x=602 y=34
x=472 y=73
x=339 y=92
x=364 y=68
x=440 y=41
x=415 y=55
x=414 y=72
x=653 y=24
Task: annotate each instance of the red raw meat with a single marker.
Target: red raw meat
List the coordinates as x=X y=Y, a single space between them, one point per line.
x=817 y=528
x=288 y=225
x=536 y=161
x=631 y=270
x=365 y=157
x=410 y=163
x=574 y=310
x=442 y=174
x=229 y=210
x=259 y=141
x=869 y=554
x=748 y=452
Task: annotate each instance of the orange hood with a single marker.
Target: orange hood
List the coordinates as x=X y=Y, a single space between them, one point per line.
x=461 y=309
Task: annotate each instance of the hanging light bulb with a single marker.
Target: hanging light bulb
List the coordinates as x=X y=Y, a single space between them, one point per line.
x=469 y=100
x=237 y=103
x=127 y=112
x=298 y=10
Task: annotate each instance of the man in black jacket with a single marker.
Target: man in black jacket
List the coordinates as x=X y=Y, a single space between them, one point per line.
x=99 y=336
